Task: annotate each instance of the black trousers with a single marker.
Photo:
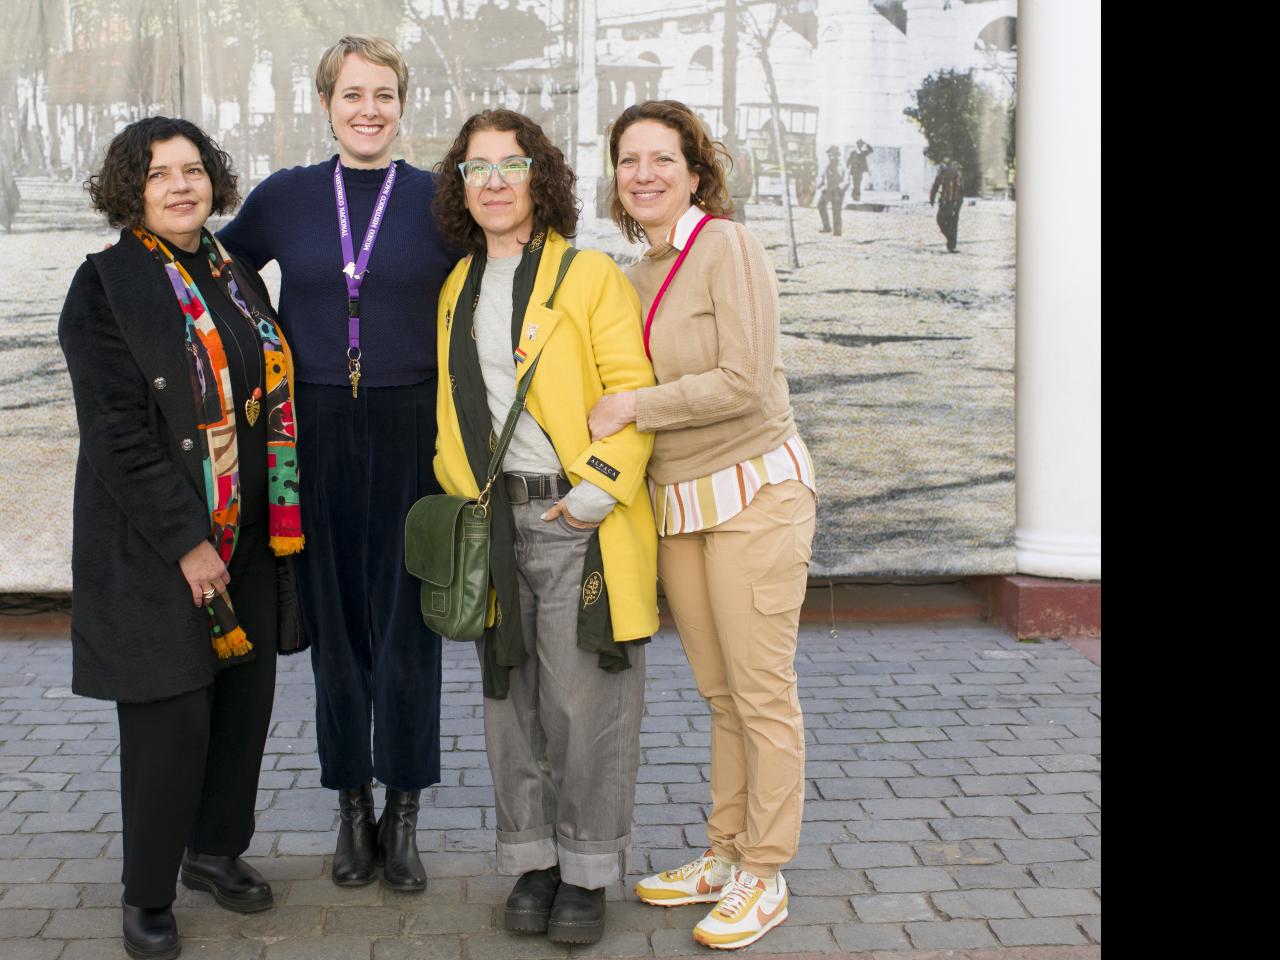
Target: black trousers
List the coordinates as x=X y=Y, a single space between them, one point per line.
x=189 y=764
x=949 y=221
x=834 y=199
x=364 y=461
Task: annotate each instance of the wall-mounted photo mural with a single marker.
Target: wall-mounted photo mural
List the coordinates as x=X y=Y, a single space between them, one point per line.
x=873 y=156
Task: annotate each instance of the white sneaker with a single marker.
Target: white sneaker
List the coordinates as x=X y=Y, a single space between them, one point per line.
x=748 y=909
x=700 y=881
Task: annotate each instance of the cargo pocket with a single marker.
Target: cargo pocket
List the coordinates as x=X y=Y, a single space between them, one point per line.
x=774 y=621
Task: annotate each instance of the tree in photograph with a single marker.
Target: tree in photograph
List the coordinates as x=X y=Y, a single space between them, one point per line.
x=792 y=12
x=964 y=122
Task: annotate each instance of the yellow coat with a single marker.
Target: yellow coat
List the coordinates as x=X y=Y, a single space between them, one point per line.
x=591 y=344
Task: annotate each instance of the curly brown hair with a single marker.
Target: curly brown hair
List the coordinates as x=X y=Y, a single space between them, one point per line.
x=116 y=190
x=551 y=182
x=707 y=158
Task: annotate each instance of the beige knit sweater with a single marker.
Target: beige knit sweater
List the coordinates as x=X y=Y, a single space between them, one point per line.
x=721 y=396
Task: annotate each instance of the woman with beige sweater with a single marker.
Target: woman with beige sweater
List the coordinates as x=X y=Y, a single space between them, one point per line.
x=733 y=493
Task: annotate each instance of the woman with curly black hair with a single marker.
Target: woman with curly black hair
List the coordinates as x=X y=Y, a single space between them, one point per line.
x=186 y=504
x=572 y=561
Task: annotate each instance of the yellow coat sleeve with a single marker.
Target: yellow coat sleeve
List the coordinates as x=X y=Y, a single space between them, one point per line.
x=615 y=464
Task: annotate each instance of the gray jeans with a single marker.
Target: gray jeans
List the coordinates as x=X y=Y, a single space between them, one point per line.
x=564 y=746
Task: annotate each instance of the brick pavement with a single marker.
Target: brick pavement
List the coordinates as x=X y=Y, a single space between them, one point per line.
x=954 y=803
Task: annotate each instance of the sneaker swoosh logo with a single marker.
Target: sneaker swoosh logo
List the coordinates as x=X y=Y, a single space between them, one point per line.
x=764 y=918
x=703 y=886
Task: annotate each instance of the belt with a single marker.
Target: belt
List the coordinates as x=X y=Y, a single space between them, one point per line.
x=523 y=487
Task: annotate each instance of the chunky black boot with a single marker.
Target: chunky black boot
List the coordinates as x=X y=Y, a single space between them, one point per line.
x=355 y=861
x=150 y=933
x=530 y=902
x=398 y=842
x=233 y=883
x=577 y=916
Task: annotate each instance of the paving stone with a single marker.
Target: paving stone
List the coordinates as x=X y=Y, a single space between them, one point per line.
x=1091 y=845
x=283 y=921
x=903 y=809
x=850 y=789
x=980 y=828
x=983 y=806
x=826 y=883
x=910 y=879
x=889 y=830
x=1023 y=933
x=1054 y=825
x=995 y=786
x=862 y=855
x=324 y=893
x=1058 y=803
x=84 y=923
x=500 y=945
x=616 y=943
x=950 y=935
x=1066 y=782
x=27 y=871
x=17 y=923
x=1093 y=927
x=945 y=854
x=891 y=908
x=1060 y=903
x=1002 y=876
x=858 y=937
x=924 y=787
x=1068 y=875
x=92 y=949
x=1040 y=851
x=33 y=949
x=67 y=846
x=320 y=948
x=430 y=920
x=833 y=810
x=794 y=939
x=804 y=911
x=40 y=895
x=977 y=904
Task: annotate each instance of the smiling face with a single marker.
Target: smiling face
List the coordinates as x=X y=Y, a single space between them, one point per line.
x=364 y=111
x=178 y=196
x=503 y=210
x=653 y=178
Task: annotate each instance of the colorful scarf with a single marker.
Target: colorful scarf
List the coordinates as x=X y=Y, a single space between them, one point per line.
x=216 y=421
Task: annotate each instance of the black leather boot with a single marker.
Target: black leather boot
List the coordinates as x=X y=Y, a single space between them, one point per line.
x=233 y=883
x=355 y=861
x=398 y=842
x=530 y=902
x=150 y=933
x=577 y=916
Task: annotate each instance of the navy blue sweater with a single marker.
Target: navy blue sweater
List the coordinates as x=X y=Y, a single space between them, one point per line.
x=291 y=218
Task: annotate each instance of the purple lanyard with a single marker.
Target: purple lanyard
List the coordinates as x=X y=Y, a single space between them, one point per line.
x=354 y=268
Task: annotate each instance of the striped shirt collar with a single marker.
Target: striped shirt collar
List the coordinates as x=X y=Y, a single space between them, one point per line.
x=679 y=235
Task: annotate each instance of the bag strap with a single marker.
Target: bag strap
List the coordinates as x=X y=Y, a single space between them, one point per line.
x=522 y=389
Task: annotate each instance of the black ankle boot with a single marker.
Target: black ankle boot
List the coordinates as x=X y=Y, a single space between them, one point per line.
x=150 y=933
x=577 y=916
x=530 y=902
x=355 y=861
x=233 y=883
x=398 y=842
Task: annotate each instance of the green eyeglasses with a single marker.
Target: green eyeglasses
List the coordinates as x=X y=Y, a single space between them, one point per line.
x=476 y=173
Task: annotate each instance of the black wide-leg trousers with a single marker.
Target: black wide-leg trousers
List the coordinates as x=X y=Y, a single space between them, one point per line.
x=364 y=461
x=189 y=764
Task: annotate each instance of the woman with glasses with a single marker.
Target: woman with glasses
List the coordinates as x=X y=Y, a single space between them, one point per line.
x=361 y=264
x=573 y=553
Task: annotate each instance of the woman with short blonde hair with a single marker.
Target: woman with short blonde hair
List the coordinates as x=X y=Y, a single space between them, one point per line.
x=361 y=314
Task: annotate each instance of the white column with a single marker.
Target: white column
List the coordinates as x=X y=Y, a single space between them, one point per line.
x=1059 y=304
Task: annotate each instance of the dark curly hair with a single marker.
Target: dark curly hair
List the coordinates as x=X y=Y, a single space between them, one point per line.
x=551 y=182
x=117 y=189
x=706 y=157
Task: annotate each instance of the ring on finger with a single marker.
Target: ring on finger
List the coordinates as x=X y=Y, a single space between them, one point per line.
x=210 y=593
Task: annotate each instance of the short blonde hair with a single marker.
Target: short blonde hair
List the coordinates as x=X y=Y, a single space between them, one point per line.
x=374 y=49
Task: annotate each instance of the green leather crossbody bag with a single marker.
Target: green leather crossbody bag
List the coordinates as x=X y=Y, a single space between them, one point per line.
x=446 y=537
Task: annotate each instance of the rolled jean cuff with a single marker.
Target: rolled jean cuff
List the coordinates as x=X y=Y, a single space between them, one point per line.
x=525 y=850
x=593 y=864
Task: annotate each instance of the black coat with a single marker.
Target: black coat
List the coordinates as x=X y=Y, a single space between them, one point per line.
x=139 y=492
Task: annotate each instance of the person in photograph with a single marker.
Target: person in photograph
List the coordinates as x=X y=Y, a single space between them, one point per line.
x=361 y=263
x=572 y=561
x=830 y=192
x=733 y=494
x=948 y=191
x=858 y=166
x=186 y=498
